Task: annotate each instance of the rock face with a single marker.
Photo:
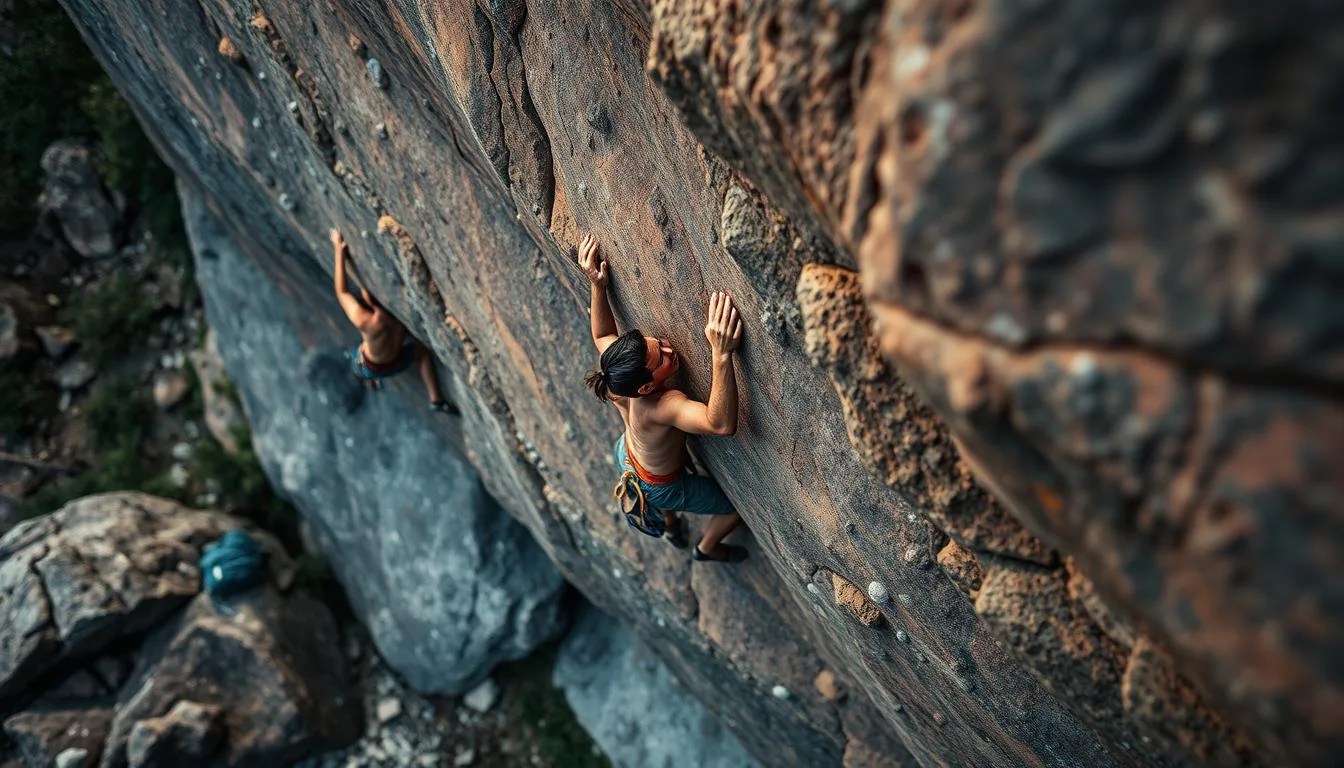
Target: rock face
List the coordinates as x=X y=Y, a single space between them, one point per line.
x=626 y=698
x=447 y=583
x=74 y=193
x=107 y=646
x=1091 y=451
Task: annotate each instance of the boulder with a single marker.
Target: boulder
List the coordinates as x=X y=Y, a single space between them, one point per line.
x=89 y=217
x=223 y=417
x=259 y=678
x=450 y=586
x=190 y=732
x=46 y=732
x=626 y=698
x=98 y=571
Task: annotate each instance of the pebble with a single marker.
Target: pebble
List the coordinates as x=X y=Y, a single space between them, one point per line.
x=878 y=593
x=483 y=697
x=179 y=476
x=376 y=74
x=389 y=709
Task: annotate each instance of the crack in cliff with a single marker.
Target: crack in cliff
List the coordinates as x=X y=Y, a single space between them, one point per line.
x=319 y=117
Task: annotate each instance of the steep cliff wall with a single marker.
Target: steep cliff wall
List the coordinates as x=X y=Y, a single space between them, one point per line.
x=1101 y=495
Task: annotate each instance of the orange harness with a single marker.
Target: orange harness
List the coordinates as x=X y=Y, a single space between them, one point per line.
x=645 y=474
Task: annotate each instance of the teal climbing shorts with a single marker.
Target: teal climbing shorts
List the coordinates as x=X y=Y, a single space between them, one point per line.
x=692 y=494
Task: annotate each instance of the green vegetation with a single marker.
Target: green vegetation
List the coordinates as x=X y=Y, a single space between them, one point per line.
x=543 y=718
x=110 y=318
x=53 y=88
x=42 y=86
x=20 y=402
x=118 y=417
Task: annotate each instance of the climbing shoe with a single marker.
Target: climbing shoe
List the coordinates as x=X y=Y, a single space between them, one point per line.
x=731 y=554
x=676 y=534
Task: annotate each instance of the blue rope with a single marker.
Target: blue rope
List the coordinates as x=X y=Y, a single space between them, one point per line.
x=233 y=564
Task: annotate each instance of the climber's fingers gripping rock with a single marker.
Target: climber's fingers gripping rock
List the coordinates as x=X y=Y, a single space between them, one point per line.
x=591 y=261
x=723 y=329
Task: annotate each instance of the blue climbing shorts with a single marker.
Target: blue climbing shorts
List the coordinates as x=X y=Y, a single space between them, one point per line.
x=370 y=371
x=692 y=494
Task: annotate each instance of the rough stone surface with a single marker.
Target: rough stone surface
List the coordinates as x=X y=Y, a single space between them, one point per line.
x=74 y=193
x=1097 y=243
x=223 y=417
x=450 y=585
x=98 y=570
x=271 y=663
x=633 y=707
x=45 y=733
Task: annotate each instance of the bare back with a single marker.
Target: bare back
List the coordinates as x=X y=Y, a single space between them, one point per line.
x=383 y=337
x=660 y=448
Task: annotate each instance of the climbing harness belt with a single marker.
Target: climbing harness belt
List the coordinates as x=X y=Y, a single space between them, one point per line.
x=638 y=514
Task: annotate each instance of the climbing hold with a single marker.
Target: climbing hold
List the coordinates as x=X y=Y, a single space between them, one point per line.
x=849 y=527
x=781 y=693
x=230 y=51
x=294 y=107
x=357 y=46
x=261 y=76
x=902 y=636
x=380 y=130
x=826 y=685
x=878 y=593
x=376 y=73
x=813 y=588
x=256 y=122
x=939 y=719
x=388 y=225
x=852 y=598
x=287 y=202
x=259 y=21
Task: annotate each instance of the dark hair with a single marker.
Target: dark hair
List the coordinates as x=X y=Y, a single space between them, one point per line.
x=625 y=367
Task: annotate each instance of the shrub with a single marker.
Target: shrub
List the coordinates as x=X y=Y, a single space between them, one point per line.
x=109 y=318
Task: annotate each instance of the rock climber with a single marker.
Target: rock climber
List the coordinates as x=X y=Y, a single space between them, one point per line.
x=383 y=350
x=635 y=374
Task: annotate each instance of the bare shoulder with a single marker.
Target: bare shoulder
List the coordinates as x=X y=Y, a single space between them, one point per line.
x=667 y=405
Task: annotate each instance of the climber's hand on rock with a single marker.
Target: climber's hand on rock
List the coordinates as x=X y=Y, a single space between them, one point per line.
x=590 y=259
x=723 y=328
x=337 y=241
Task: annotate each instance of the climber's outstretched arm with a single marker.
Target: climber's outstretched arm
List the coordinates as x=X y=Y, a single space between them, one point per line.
x=595 y=267
x=353 y=309
x=724 y=331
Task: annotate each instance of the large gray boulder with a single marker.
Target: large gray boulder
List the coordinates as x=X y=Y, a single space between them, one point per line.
x=447 y=583
x=89 y=216
x=109 y=649
x=630 y=704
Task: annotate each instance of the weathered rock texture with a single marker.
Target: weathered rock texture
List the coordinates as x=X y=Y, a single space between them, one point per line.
x=108 y=646
x=1100 y=481
x=447 y=583
x=626 y=698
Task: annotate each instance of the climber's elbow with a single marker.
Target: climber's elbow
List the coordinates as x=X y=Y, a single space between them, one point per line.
x=726 y=429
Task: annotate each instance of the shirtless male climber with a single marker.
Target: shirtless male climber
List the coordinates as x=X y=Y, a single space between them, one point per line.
x=634 y=375
x=383 y=350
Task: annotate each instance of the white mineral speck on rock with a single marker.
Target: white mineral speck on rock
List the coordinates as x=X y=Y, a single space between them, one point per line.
x=813 y=588
x=878 y=593
x=781 y=693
